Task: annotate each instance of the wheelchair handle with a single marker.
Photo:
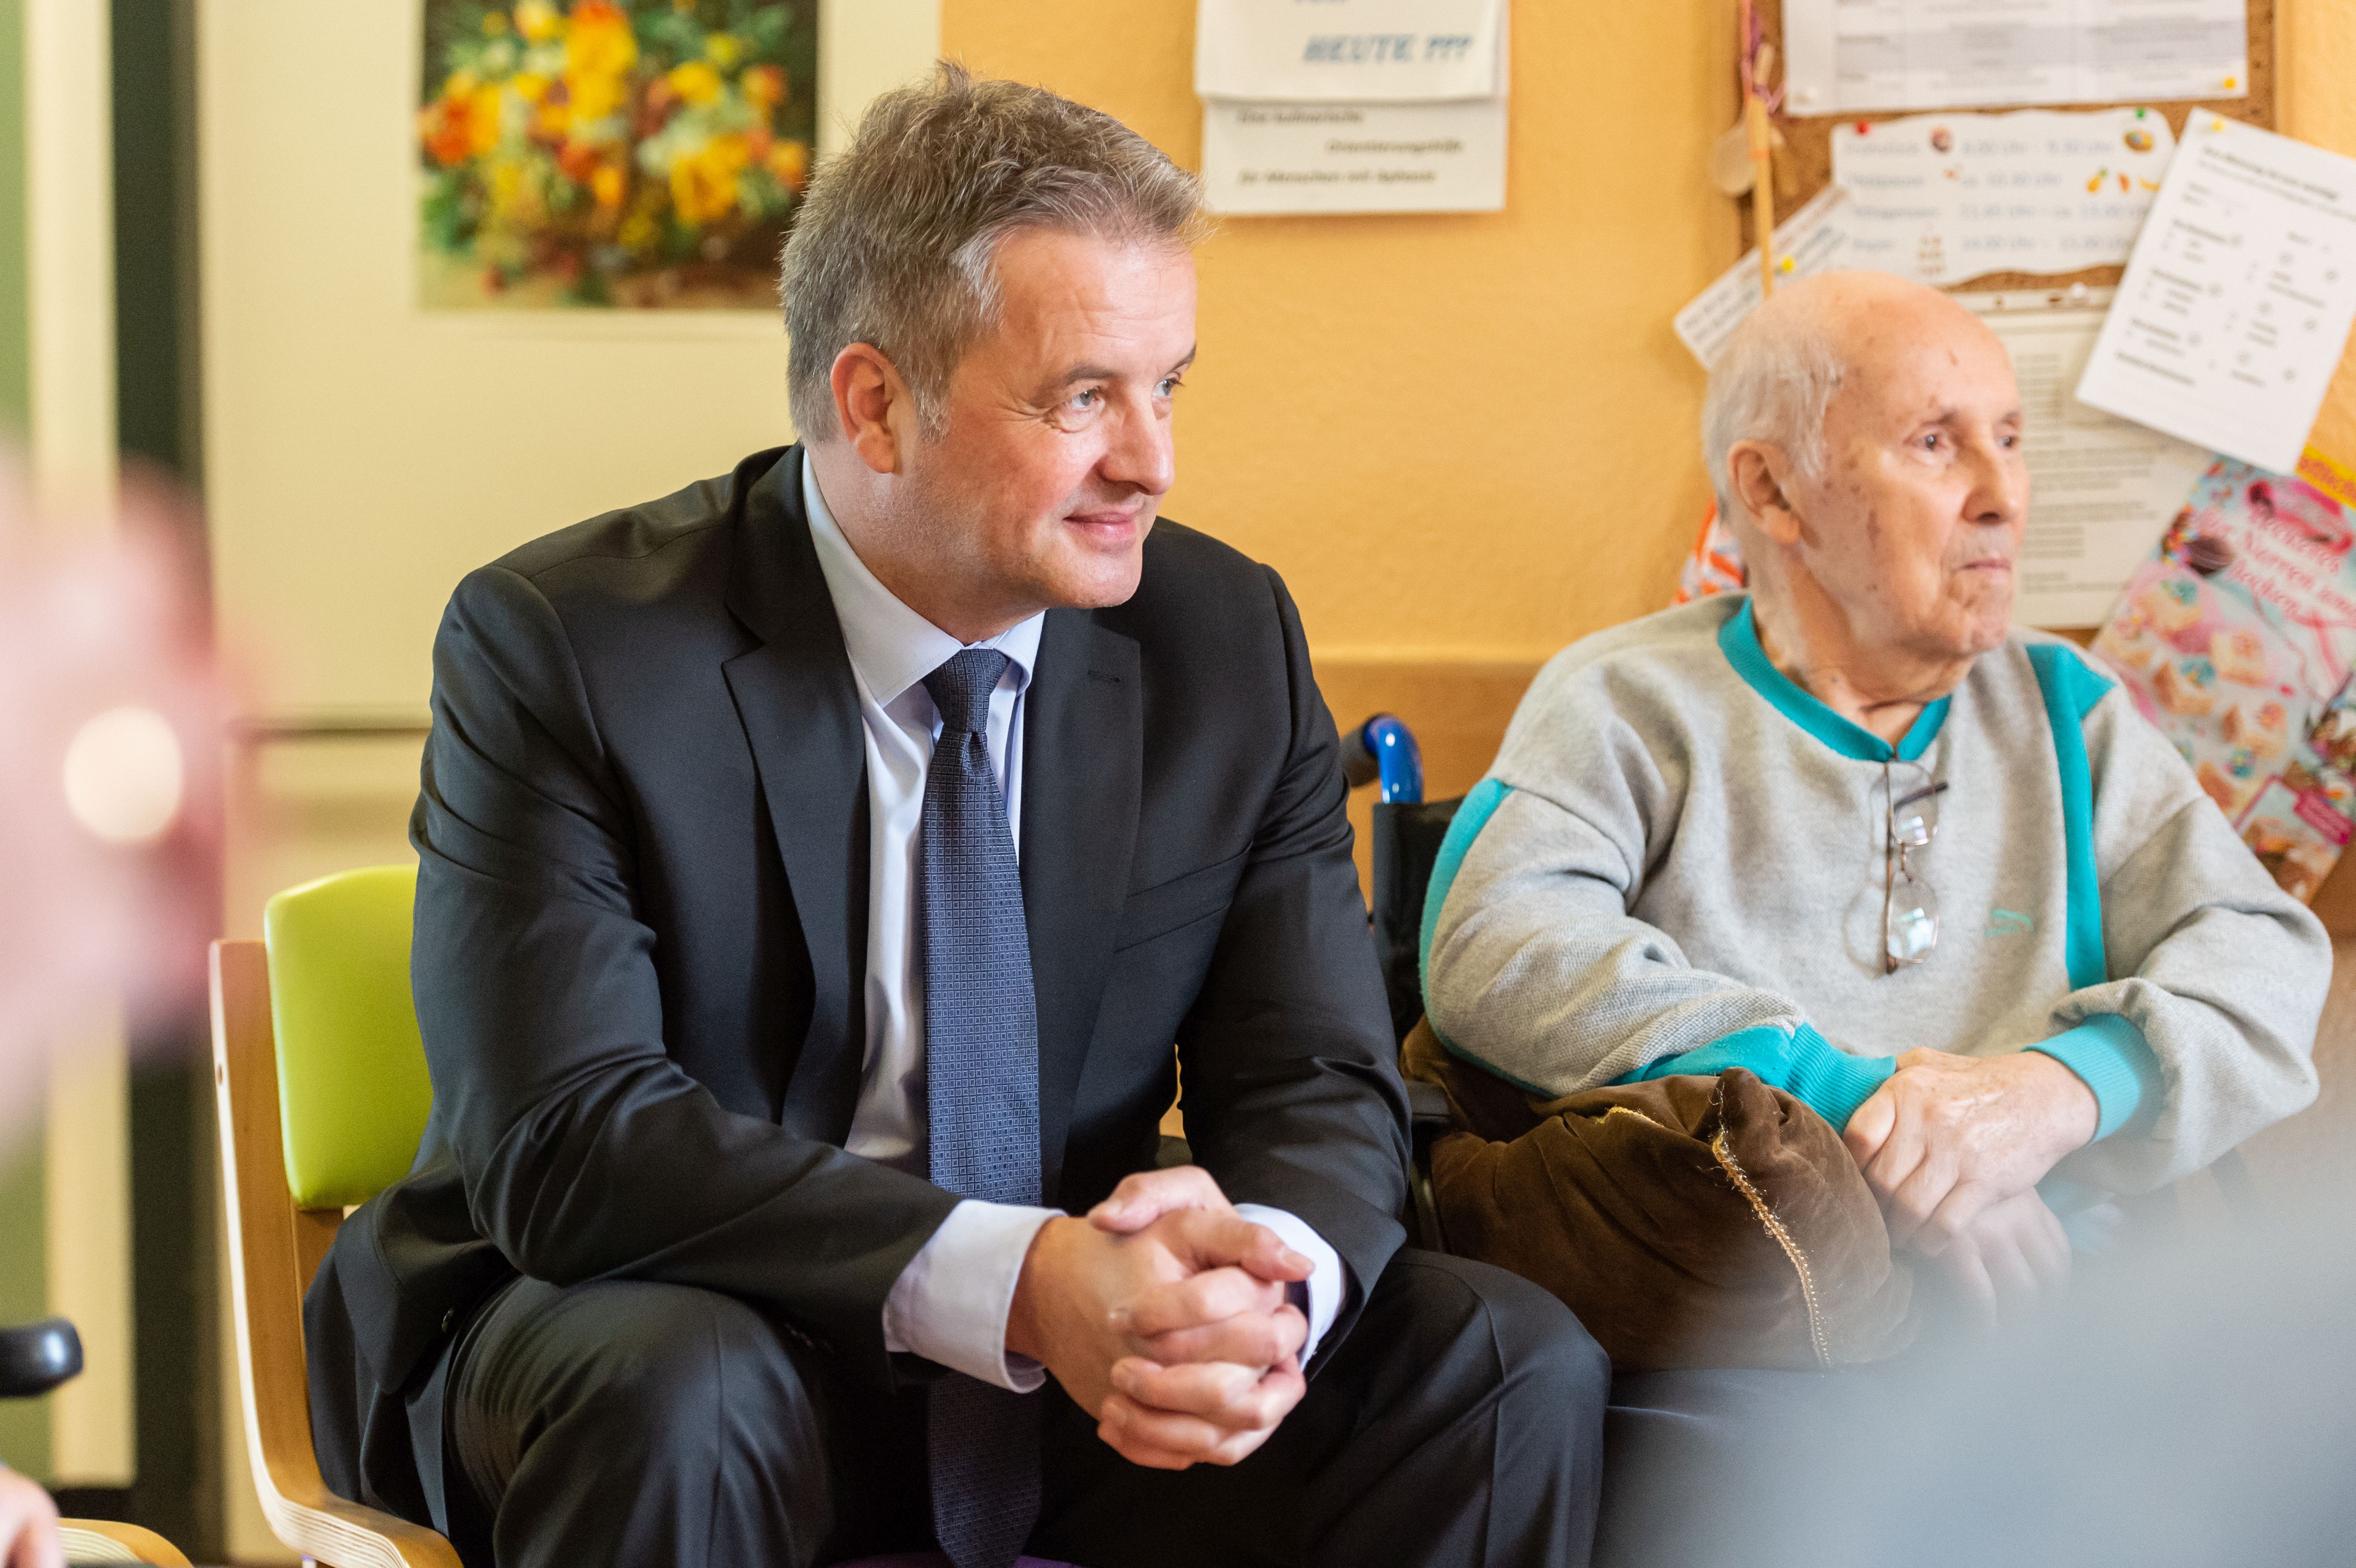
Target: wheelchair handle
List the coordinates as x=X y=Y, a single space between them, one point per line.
x=38 y=1356
x=1382 y=752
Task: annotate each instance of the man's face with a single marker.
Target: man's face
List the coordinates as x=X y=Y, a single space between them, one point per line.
x=1057 y=450
x=1914 y=526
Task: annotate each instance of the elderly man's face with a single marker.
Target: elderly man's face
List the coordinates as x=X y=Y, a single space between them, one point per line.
x=1914 y=526
x=1057 y=448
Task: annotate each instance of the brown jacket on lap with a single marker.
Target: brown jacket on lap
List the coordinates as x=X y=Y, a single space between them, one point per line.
x=1689 y=1222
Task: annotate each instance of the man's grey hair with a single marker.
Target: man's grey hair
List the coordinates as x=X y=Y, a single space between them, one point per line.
x=896 y=241
x=1772 y=382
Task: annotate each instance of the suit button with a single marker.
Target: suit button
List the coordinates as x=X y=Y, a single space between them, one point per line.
x=449 y=1317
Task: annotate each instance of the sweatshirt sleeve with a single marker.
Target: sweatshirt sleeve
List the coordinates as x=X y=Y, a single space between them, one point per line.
x=2221 y=972
x=1534 y=967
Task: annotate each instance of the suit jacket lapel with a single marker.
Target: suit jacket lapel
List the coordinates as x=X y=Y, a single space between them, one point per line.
x=1083 y=756
x=800 y=711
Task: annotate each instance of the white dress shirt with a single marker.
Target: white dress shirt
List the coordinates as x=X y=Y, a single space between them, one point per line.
x=951 y=1304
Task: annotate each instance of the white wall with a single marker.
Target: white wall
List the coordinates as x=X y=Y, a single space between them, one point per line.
x=362 y=455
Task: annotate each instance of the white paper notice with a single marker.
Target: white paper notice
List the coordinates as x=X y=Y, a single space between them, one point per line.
x=1339 y=106
x=1850 y=56
x=2232 y=316
x=1353 y=157
x=1811 y=240
x=1942 y=197
x=2102 y=489
x=1352 y=51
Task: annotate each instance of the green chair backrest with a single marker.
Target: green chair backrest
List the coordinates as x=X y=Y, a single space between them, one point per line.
x=352 y=1087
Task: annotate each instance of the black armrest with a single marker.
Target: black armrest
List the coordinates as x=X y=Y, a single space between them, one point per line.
x=38 y=1356
x=1427 y=1114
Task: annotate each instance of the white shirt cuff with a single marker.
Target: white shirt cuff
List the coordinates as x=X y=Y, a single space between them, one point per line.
x=951 y=1304
x=1328 y=1283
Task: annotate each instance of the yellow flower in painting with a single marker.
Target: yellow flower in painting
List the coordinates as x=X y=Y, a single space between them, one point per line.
x=703 y=183
x=600 y=39
x=695 y=82
x=530 y=84
x=536 y=20
x=483 y=115
x=789 y=162
x=607 y=185
x=723 y=49
x=510 y=195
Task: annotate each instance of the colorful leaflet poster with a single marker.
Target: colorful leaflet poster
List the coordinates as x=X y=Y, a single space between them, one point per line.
x=2238 y=638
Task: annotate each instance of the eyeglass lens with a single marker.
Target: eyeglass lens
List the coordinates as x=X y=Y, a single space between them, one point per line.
x=1912 y=929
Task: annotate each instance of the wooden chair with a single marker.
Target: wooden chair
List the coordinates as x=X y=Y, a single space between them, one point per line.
x=277 y=1240
x=102 y=1541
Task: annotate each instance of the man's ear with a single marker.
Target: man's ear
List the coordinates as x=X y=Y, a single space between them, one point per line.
x=871 y=405
x=1761 y=476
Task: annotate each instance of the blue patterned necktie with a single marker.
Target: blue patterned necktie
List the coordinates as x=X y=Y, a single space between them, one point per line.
x=981 y=1071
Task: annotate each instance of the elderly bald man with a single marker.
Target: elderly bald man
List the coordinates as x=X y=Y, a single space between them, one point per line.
x=1929 y=874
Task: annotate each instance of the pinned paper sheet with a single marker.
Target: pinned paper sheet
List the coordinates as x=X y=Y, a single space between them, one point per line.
x=1353 y=105
x=1851 y=57
x=1943 y=197
x=1811 y=240
x=2102 y=489
x=1349 y=51
x=2235 y=309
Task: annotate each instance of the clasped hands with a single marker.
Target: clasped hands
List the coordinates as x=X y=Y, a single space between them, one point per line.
x=1164 y=1312
x=1954 y=1148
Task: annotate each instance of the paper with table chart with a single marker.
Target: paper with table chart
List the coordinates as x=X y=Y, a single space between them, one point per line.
x=1852 y=57
x=1811 y=240
x=2102 y=489
x=2235 y=309
x=1945 y=198
x=1353 y=105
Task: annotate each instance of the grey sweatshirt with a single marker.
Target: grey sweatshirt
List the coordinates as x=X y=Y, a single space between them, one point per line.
x=1678 y=864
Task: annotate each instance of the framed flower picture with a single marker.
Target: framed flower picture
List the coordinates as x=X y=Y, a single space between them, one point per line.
x=612 y=154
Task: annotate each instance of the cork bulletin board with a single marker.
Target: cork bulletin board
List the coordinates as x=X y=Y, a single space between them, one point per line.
x=1803 y=165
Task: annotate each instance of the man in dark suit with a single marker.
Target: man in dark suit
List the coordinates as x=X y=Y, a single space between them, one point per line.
x=817 y=868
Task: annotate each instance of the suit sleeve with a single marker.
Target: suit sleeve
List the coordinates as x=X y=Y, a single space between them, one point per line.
x=1291 y=1080
x=586 y=1152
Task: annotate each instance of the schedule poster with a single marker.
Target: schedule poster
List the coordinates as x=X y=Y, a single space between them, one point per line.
x=2233 y=312
x=1854 y=56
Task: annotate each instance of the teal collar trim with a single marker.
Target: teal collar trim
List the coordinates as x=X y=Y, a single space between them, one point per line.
x=1739 y=639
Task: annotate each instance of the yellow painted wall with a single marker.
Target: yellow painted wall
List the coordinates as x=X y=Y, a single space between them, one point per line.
x=1467 y=436
x=1473 y=437
x=2318 y=105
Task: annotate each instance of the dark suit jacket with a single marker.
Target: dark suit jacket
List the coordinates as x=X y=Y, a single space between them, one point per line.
x=641 y=922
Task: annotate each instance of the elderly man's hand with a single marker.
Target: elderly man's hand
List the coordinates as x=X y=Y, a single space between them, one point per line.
x=2013 y=1253
x=1948 y=1136
x=1166 y=1317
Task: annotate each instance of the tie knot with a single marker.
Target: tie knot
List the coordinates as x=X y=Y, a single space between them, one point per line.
x=961 y=687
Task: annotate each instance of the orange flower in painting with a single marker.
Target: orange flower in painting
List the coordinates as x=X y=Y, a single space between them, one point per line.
x=607 y=184
x=703 y=183
x=463 y=123
x=789 y=161
x=765 y=85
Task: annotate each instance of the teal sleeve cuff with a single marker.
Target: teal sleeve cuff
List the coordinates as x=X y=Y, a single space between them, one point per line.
x=2115 y=1061
x=1798 y=1060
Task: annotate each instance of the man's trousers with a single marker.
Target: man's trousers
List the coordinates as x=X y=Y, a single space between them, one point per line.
x=1459 y=1423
